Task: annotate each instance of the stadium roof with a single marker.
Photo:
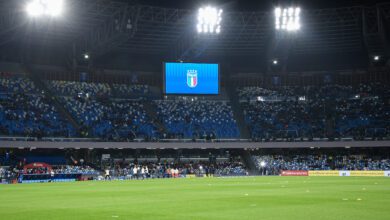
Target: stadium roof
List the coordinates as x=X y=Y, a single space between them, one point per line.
x=101 y=26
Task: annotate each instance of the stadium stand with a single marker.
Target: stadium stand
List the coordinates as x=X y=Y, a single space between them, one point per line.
x=124 y=90
x=274 y=164
x=198 y=119
x=164 y=170
x=16 y=83
x=71 y=88
x=25 y=111
x=277 y=113
x=70 y=164
x=64 y=169
x=331 y=111
x=111 y=118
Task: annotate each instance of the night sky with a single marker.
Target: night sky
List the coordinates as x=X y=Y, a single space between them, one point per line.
x=253 y=5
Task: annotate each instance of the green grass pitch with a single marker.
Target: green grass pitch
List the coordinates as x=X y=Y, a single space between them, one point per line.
x=257 y=198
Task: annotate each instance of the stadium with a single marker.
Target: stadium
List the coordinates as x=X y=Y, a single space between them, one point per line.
x=126 y=109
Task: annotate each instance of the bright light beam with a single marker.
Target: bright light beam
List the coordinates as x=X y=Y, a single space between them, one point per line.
x=287 y=19
x=39 y=8
x=209 y=20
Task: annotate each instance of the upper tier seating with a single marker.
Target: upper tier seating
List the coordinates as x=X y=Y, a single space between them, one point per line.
x=110 y=118
x=198 y=118
x=31 y=115
x=71 y=88
x=24 y=111
x=124 y=90
x=11 y=83
x=312 y=112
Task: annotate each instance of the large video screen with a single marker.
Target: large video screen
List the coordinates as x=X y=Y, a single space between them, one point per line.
x=191 y=79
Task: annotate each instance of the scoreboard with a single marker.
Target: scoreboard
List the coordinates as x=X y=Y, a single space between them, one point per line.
x=191 y=79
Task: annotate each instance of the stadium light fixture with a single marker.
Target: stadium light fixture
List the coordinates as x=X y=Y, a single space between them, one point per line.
x=275 y=62
x=39 y=8
x=377 y=58
x=263 y=163
x=260 y=99
x=287 y=19
x=86 y=56
x=209 y=20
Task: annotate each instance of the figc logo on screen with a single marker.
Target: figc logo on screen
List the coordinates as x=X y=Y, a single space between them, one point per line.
x=192 y=78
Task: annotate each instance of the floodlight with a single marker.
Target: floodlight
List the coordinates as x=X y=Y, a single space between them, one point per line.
x=209 y=20
x=263 y=163
x=260 y=99
x=376 y=58
x=218 y=30
x=287 y=19
x=34 y=9
x=297 y=11
x=278 y=12
x=86 y=56
x=275 y=62
x=37 y=8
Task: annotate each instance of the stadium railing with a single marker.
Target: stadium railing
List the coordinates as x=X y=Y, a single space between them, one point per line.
x=176 y=140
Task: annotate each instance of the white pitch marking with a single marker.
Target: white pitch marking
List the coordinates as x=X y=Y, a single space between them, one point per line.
x=345 y=199
x=359 y=199
x=115 y=216
x=246 y=194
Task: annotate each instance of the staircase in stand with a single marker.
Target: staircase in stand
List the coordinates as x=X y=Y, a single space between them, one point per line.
x=151 y=111
x=52 y=99
x=238 y=113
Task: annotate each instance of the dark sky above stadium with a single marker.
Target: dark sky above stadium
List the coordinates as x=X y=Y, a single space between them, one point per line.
x=253 y=5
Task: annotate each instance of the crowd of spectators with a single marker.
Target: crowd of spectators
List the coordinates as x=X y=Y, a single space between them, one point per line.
x=252 y=92
x=331 y=111
x=72 y=88
x=125 y=90
x=100 y=114
x=7 y=174
x=273 y=164
x=127 y=118
x=2 y=174
x=236 y=168
x=68 y=169
x=87 y=111
x=179 y=169
x=63 y=169
x=111 y=118
x=198 y=119
x=26 y=112
x=278 y=113
x=11 y=83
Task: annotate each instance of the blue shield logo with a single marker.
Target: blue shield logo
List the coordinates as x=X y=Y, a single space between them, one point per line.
x=192 y=78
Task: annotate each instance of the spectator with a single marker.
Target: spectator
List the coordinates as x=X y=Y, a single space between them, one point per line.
x=199 y=119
